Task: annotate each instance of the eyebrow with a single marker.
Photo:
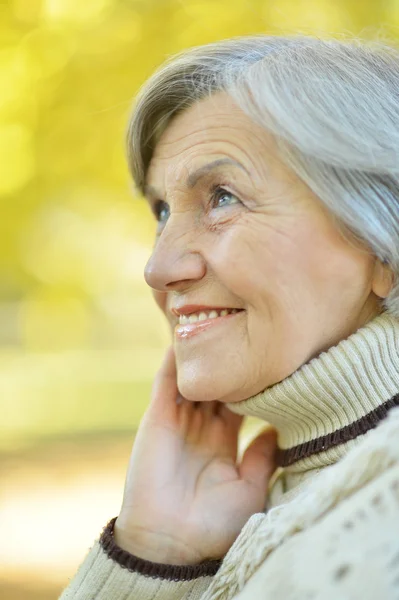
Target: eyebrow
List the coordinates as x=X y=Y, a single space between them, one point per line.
x=194 y=177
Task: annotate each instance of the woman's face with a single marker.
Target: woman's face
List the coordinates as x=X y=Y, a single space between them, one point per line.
x=238 y=230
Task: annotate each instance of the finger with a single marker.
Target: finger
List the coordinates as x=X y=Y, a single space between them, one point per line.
x=196 y=423
x=204 y=424
x=209 y=408
x=224 y=427
x=231 y=419
x=259 y=460
x=186 y=416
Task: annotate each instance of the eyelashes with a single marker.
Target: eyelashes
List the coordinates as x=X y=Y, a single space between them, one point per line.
x=217 y=193
x=161 y=208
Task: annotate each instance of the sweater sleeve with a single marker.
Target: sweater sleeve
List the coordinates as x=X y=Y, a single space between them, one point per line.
x=108 y=572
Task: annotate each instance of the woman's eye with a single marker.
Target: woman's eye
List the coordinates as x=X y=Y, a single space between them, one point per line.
x=161 y=210
x=221 y=197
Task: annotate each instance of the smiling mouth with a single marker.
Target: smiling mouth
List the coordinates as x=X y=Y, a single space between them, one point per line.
x=204 y=315
x=195 y=323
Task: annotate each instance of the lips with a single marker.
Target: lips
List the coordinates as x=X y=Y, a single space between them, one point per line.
x=194 y=323
x=188 y=309
x=203 y=315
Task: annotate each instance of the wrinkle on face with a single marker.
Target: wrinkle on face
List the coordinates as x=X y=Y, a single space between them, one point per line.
x=174 y=157
x=278 y=255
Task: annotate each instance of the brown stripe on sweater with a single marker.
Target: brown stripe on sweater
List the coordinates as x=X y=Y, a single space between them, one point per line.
x=340 y=436
x=155 y=570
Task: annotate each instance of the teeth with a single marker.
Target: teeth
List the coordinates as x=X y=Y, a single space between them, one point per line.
x=202 y=316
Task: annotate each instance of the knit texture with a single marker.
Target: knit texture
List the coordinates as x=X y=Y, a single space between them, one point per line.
x=332 y=394
x=150 y=569
x=265 y=532
x=316 y=499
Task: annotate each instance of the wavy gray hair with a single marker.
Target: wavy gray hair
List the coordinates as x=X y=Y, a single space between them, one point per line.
x=332 y=105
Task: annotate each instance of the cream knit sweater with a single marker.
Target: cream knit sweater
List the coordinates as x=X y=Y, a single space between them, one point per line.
x=331 y=526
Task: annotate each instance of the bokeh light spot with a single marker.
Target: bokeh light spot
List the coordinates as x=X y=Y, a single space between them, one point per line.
x=75 y=11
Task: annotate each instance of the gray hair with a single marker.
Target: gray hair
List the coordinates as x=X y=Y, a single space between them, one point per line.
x=332 y=105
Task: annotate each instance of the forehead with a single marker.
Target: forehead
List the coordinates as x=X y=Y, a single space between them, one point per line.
x=212 y=126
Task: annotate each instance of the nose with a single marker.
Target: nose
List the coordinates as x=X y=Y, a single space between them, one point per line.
x=176 y=261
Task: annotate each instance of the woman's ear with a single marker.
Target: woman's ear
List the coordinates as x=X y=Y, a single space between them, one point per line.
x=383 y=278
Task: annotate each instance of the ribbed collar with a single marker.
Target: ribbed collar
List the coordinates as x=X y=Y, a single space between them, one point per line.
x=334 y=398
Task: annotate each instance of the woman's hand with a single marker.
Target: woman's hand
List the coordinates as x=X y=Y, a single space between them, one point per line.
x=186 y=500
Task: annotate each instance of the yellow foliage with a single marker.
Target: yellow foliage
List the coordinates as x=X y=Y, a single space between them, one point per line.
x=73 y=240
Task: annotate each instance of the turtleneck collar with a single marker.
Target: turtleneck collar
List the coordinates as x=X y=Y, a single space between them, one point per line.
x=329 y=402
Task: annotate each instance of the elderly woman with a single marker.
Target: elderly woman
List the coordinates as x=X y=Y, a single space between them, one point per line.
x=271 y=165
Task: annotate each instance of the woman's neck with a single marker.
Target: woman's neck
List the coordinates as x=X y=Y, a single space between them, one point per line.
x=325 y=406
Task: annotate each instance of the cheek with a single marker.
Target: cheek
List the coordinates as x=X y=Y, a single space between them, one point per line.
x=254 y=258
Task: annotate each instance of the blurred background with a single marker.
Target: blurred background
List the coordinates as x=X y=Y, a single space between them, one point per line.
x=80 y=338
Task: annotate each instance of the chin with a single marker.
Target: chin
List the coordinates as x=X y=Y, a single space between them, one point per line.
x=206 y=388
x=196 y=390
